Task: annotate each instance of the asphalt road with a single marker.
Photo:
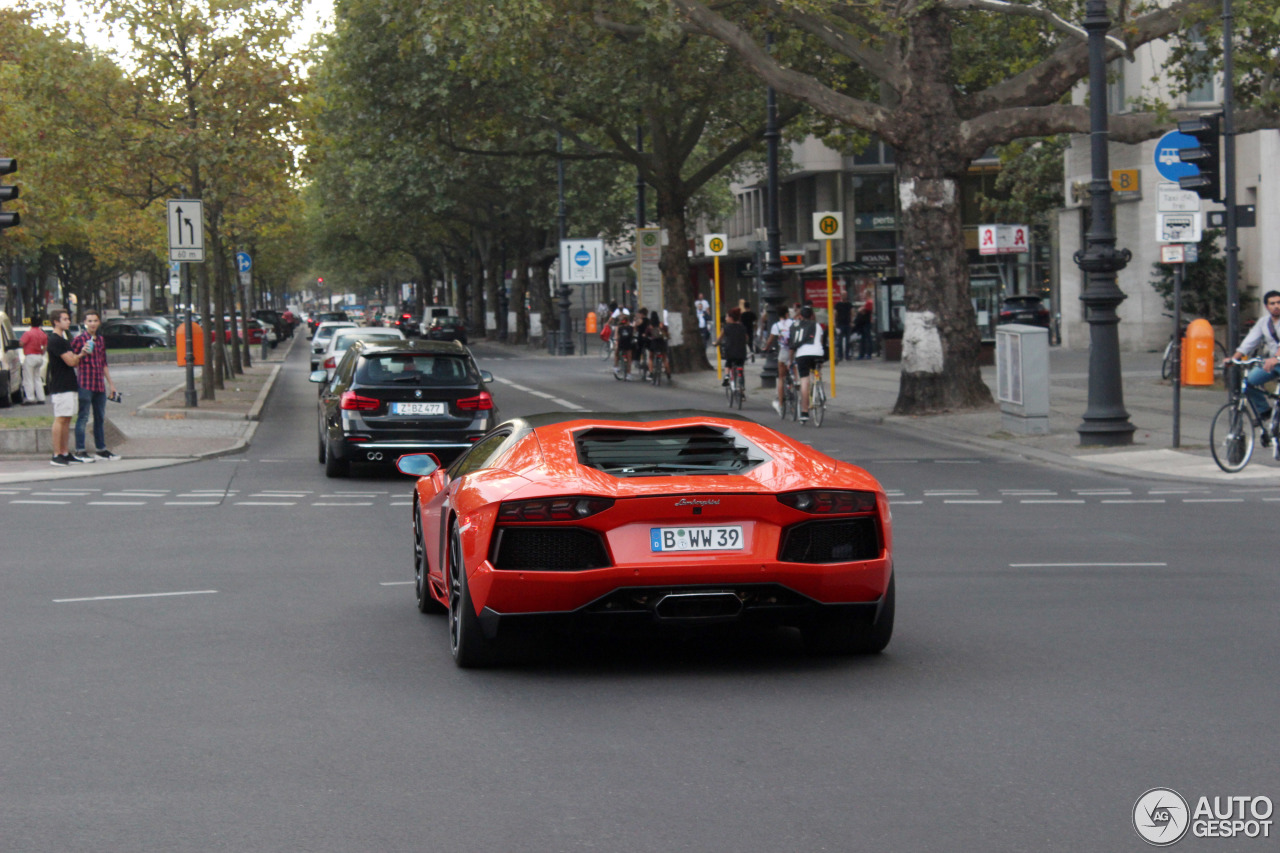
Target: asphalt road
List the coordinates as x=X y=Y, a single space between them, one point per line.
x=1065 y=641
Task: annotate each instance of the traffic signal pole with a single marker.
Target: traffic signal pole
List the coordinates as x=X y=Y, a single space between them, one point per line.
x=1229 y=178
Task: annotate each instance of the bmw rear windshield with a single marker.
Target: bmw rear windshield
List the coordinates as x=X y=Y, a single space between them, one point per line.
x=415 y=370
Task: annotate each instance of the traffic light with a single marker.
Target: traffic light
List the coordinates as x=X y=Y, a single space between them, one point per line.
x=8 y=219
x=1206 y=156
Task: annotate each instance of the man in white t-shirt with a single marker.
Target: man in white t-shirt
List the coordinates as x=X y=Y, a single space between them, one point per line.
x=780 y=332
x=809 y=353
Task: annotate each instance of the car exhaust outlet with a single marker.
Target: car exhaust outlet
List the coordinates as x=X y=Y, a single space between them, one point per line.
x=373 y=456
x=698 y=605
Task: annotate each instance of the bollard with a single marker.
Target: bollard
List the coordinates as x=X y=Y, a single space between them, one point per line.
x=1197 y=354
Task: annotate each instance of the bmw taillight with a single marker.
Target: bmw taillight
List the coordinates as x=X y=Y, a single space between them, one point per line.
x=351 y=401
x=481 y=402
x=330 y=363
x=830 y=501
x=552 y=509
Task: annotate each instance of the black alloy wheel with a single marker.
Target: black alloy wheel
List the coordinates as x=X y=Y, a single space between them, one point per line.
x=467 y=642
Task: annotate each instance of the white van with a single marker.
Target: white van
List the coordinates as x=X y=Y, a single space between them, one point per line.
x=431 y=312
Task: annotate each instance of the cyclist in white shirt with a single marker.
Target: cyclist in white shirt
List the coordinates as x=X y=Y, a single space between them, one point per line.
x=1264 y=335
x=807 y=336
x=780 y=332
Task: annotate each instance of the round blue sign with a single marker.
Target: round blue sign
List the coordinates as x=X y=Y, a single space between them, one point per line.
x=582 y=258
x=1168 y=164
x=243 y=262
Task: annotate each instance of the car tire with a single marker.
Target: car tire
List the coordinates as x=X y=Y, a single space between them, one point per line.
x=467 y=642
x=845 y=636
x=422 y=582
x=321 y=442
x=333 y=466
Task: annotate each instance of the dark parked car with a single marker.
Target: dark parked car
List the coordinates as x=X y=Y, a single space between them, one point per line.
x=137 y=335
x=1024 y=309
x=447 y=329
x=275 y=320
x=389 y=399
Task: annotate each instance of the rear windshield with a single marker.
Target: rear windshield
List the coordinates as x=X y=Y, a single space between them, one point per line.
x=341 y=343
x=414 y=369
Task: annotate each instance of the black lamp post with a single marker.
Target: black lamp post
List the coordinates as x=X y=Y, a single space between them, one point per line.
x=1105 y=420
x=772 y=273
x=566 y=321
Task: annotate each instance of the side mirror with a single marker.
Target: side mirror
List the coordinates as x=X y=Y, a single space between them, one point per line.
x=486 y=376
x=318 y=376
x=418 y=464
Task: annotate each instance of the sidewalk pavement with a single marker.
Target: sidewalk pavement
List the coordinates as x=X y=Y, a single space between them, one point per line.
x=161 y=431
x=153 y=428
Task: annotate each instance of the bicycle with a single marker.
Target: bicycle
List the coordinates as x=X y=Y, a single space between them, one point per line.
x=790 y=394
x=606 y=348
x=736 y=390
x=817 y=397
x=1166 y=364
x=1231 y=433
x=624 y=360
x=642 y=365
x=661 y=369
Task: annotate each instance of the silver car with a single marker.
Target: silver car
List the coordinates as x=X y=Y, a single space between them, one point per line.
x=321 y=339
x=342 y=339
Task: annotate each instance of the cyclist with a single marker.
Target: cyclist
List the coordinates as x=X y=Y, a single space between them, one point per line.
x=643 y=325
x=615 y=314
x=733 y=345
x=806 y=342
x=1264 y=335
x=780 y=333
x=657 y=345
x=626 y=345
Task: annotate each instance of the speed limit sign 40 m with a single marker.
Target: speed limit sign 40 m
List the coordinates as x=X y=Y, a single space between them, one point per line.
x=828 y=225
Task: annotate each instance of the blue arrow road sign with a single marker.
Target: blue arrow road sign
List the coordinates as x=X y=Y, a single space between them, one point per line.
x=1168 y=164
x=244 y=263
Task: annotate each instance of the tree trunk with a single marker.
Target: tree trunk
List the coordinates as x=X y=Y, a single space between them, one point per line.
x=519 y=290
x=940 y=340
x=543 y=299
x=689 y=352
x=205 y=302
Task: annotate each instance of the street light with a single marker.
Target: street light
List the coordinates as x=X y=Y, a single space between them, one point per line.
x=1105 y=420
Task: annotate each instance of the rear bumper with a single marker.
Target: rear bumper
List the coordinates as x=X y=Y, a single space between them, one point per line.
x=674 y=609
x=389 y=451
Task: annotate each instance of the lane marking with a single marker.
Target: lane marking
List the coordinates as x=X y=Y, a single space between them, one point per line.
x=396 y=583
x=362 y=503
x=62 y=493
x=134 y=494
x=1051 y=501
x=140 y=595
x=1134 y=501
x=937 y=493
x=1213 y=500
x=1028 y=492
x=561 y=402
x=956 y=461
x=900 y=503
x=971 y=501
x=1087 y=565
x=266 y=503
x=410 y=503
x=1103 y=491
x=116 y=503
x=192 y=503
x=55 y=503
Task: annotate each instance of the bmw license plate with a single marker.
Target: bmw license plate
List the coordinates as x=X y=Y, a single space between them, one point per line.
x=417 y=408
x=724 y=538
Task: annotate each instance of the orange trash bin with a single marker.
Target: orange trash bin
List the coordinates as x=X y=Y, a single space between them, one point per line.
x=197 y=344
x=1197 y=354
x=592 y=323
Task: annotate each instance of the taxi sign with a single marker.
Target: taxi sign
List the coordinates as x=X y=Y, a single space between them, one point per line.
x=715 y=244
x=828 y=225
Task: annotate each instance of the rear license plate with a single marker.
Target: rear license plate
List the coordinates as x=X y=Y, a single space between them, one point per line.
x=725 y=538
x=417 y=408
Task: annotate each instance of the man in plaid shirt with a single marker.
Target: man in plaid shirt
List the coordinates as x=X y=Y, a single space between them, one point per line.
x=95 y=378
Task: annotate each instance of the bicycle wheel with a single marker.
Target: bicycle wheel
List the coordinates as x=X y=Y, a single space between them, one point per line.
x=1231 y=437
x=729 y=392
x=655 y=375
x=1166 y=366
x=817 y=404
x=738 y=394
x=793 y=402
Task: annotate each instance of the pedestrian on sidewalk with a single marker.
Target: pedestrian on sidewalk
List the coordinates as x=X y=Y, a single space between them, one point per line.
x=94 y=378
x=862 y=327
x=64 y=390
x=34 y=342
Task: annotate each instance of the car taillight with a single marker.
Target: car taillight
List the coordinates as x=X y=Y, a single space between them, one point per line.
x=483 y=401
x=830 y=502
x=352 y=401
x=1005 y=315
x=330 y=362
x=552 y=509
